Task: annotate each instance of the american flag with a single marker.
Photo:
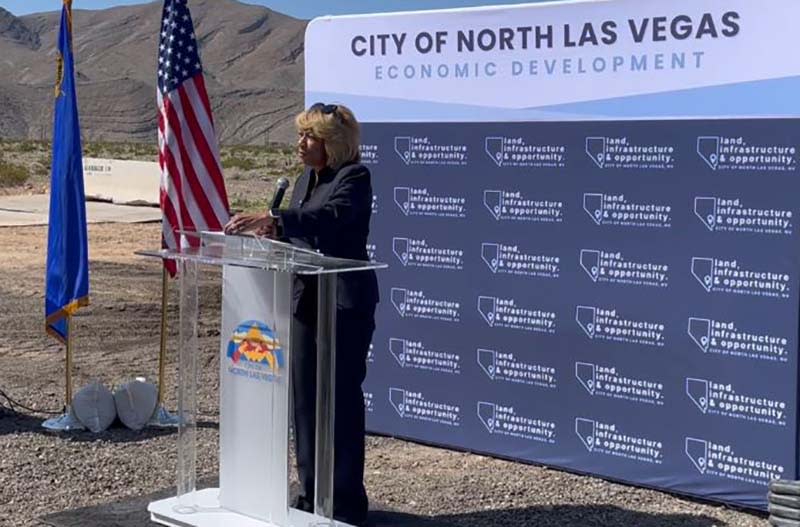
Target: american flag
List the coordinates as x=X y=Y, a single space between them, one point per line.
x=193 y=196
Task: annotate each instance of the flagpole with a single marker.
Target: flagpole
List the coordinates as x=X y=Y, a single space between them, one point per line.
x=66 y=422
x=67 y=275
x=161 y=417
x=68 y=385
x=162 y=354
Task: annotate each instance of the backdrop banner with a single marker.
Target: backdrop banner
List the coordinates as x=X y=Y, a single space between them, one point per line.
x=589 y=209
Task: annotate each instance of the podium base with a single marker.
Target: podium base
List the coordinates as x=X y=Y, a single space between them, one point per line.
x=209 y=514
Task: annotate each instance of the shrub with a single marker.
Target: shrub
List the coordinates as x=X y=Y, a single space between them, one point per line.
x=29 y=146
x=12 y=175
x=242 y=163
x=240 y=204
x=42 y=169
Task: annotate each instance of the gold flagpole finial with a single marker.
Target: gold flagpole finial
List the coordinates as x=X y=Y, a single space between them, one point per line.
x=68 y=5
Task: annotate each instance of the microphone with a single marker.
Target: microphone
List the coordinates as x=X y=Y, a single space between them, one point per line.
x=282 y=185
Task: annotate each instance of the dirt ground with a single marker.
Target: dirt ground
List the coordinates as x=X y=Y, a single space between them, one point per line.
x=117 y=339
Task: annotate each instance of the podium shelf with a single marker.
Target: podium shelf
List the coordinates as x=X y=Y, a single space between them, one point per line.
x=217 y=248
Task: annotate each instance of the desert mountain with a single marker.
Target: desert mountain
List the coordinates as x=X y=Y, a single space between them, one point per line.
x=252 y=56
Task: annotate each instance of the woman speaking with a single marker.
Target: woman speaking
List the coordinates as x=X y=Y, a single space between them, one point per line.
x=330 y=212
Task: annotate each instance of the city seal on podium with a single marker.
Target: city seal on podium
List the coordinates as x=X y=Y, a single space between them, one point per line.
x=255 y=351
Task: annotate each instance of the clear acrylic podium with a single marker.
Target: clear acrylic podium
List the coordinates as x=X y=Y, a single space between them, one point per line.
x=254 y=382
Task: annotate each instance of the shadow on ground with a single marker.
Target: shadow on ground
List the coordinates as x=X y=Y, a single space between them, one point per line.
x=19 y=423
x=133 y=513
x=575 y=516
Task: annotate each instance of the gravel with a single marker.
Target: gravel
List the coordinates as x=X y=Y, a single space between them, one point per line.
x=117 y=340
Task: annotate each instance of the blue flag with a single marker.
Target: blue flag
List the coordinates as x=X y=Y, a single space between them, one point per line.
x=67 y=279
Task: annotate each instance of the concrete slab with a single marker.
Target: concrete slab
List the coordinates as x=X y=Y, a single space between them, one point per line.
x=133 y=513
x=122 y=182
x=16 y=211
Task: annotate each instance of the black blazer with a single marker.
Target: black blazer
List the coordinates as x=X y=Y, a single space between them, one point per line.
x=330 y=212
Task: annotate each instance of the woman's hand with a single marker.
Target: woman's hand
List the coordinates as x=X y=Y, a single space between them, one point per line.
x=248 y=223
x=270 y=230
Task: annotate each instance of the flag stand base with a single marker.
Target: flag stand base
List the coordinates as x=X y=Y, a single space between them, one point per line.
x=163 y=419
x=66 y=422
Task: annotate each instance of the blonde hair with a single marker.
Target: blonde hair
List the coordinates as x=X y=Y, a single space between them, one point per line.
x=337 y=127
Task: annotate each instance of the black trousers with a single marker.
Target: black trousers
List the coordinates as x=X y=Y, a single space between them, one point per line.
x=354 y=329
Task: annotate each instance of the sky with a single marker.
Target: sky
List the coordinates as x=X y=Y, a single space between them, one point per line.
x=296 y=8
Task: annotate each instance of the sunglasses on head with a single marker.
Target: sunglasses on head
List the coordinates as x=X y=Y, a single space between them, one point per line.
x=326 y=109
